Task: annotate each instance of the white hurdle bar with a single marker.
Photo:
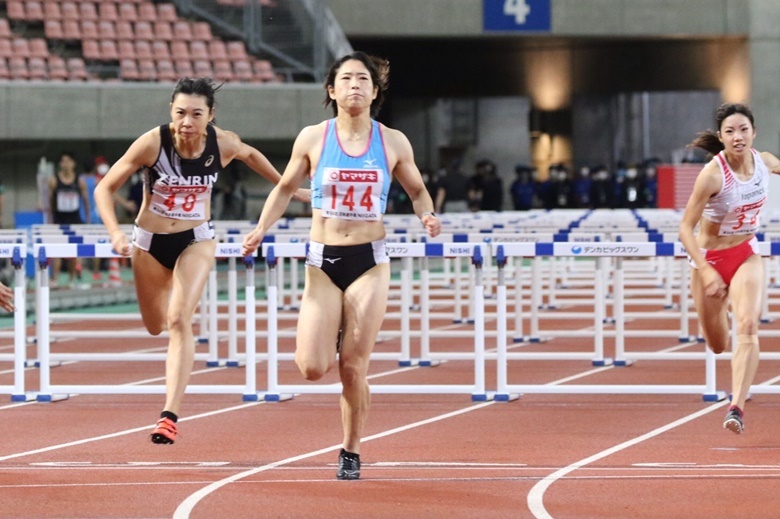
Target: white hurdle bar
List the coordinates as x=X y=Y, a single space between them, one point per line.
x=406 y=251
x=600 y=251
x=17 y=253
x=49 y=392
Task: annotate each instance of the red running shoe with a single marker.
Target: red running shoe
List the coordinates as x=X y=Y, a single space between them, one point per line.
x=165 y=431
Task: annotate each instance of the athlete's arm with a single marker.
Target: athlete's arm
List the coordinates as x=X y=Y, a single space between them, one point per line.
x=772 y=162
x=142 y=153
x=295 y=173
x=409 y=176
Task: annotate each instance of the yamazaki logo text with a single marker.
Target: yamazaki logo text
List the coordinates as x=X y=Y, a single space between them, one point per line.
x=354 y=176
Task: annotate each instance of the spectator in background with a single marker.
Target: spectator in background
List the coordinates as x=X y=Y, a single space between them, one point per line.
x=97 y=170
x=2 y=204
x=522 y=189
x=561 y=187
x=68 y=194
x=650 y=187
x=543 y=188
x=632 y=189
x=601 y=188
x=233 y=191
x=491 y=197
x=454 y=190
x=581 y=187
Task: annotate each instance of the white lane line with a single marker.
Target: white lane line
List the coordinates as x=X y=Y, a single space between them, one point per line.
x=186 y=506
x=536 y=495
x=535 y=498
x=122 y=433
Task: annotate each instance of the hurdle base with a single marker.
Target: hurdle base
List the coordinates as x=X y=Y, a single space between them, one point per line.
x=506 y=397
x=717 y=396
x=428 y=363
x=40 y=397
x=536 y=340
x=37 y=364
x=277 y=397
x=623 y=363
x=730 y=396
x=25 y=397
x=524 y=338
x=602 y=362
x=408 y=363
x=203 y=340
x=482 y=397
x=235 y=363
x=250 y=397
x=215 y=363
x=766 y=320
x=683 y=340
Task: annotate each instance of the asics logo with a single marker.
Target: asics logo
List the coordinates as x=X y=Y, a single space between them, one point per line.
x=331 y=260
x=209 y=161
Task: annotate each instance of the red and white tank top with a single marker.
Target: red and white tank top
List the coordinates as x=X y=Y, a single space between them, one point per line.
x=738 y=204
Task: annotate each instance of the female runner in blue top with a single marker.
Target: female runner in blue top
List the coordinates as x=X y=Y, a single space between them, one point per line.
x=350 y=160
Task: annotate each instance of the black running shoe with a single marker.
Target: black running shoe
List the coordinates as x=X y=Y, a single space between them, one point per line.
x=733 y=422
x=349 y=465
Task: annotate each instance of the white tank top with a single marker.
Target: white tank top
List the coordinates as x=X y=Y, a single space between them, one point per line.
x=738 y=204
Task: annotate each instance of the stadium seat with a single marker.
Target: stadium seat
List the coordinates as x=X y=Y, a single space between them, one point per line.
x=263 y=71
x=89 y=30
x=20 y=47
x=242 y=71
x=166 y=12
x=90 y=49
x=108 y=50
x=147 y=12
x=143 y=31
x=70 y=11
x=128 y=12
x=180 y=50
x=147 y=71
x=51 y=11
x=217 y=50
x=202 y=68
x=223 y=71
x=57 y=68
x=87 y=11
x=162 y=31
x=17 y=67
x=38 y=48
x=160 y=50
x=106 y=30
x=37 y=68
x=52 y=29
x=143 y=50
x=124 y=30
x=165 y=70
x=33 y=11
x=198 y=50
x=15 y=11
x=128 y=70
x=77 y=70
x=126 y=49
x=201 y=31
x=71 y=30
x=237 y=50
x=182 y=30
x=184 y=68
x=5 y=28
x=6 y=50
x=108 y=11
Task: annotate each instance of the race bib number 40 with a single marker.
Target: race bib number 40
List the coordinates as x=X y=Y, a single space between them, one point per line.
x=352 y=194
x=180 y=202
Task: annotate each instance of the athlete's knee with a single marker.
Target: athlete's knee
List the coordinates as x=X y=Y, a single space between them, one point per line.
x=747 y=325
x=310 y=370
x=352 y=373
x=178 y=320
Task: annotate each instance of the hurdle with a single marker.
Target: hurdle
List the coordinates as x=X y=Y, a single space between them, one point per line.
x=49 y=392
x=407 y=251
x=16 y=253
x=619 y=250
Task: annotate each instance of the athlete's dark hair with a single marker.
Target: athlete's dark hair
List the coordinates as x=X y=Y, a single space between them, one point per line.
x=380 y=76
x=203 y=86
x=708 y=140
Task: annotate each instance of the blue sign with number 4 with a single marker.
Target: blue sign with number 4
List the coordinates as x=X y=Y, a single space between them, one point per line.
x=516 y=15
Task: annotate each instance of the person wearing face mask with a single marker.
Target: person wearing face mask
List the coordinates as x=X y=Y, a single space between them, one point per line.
x=718 y=231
